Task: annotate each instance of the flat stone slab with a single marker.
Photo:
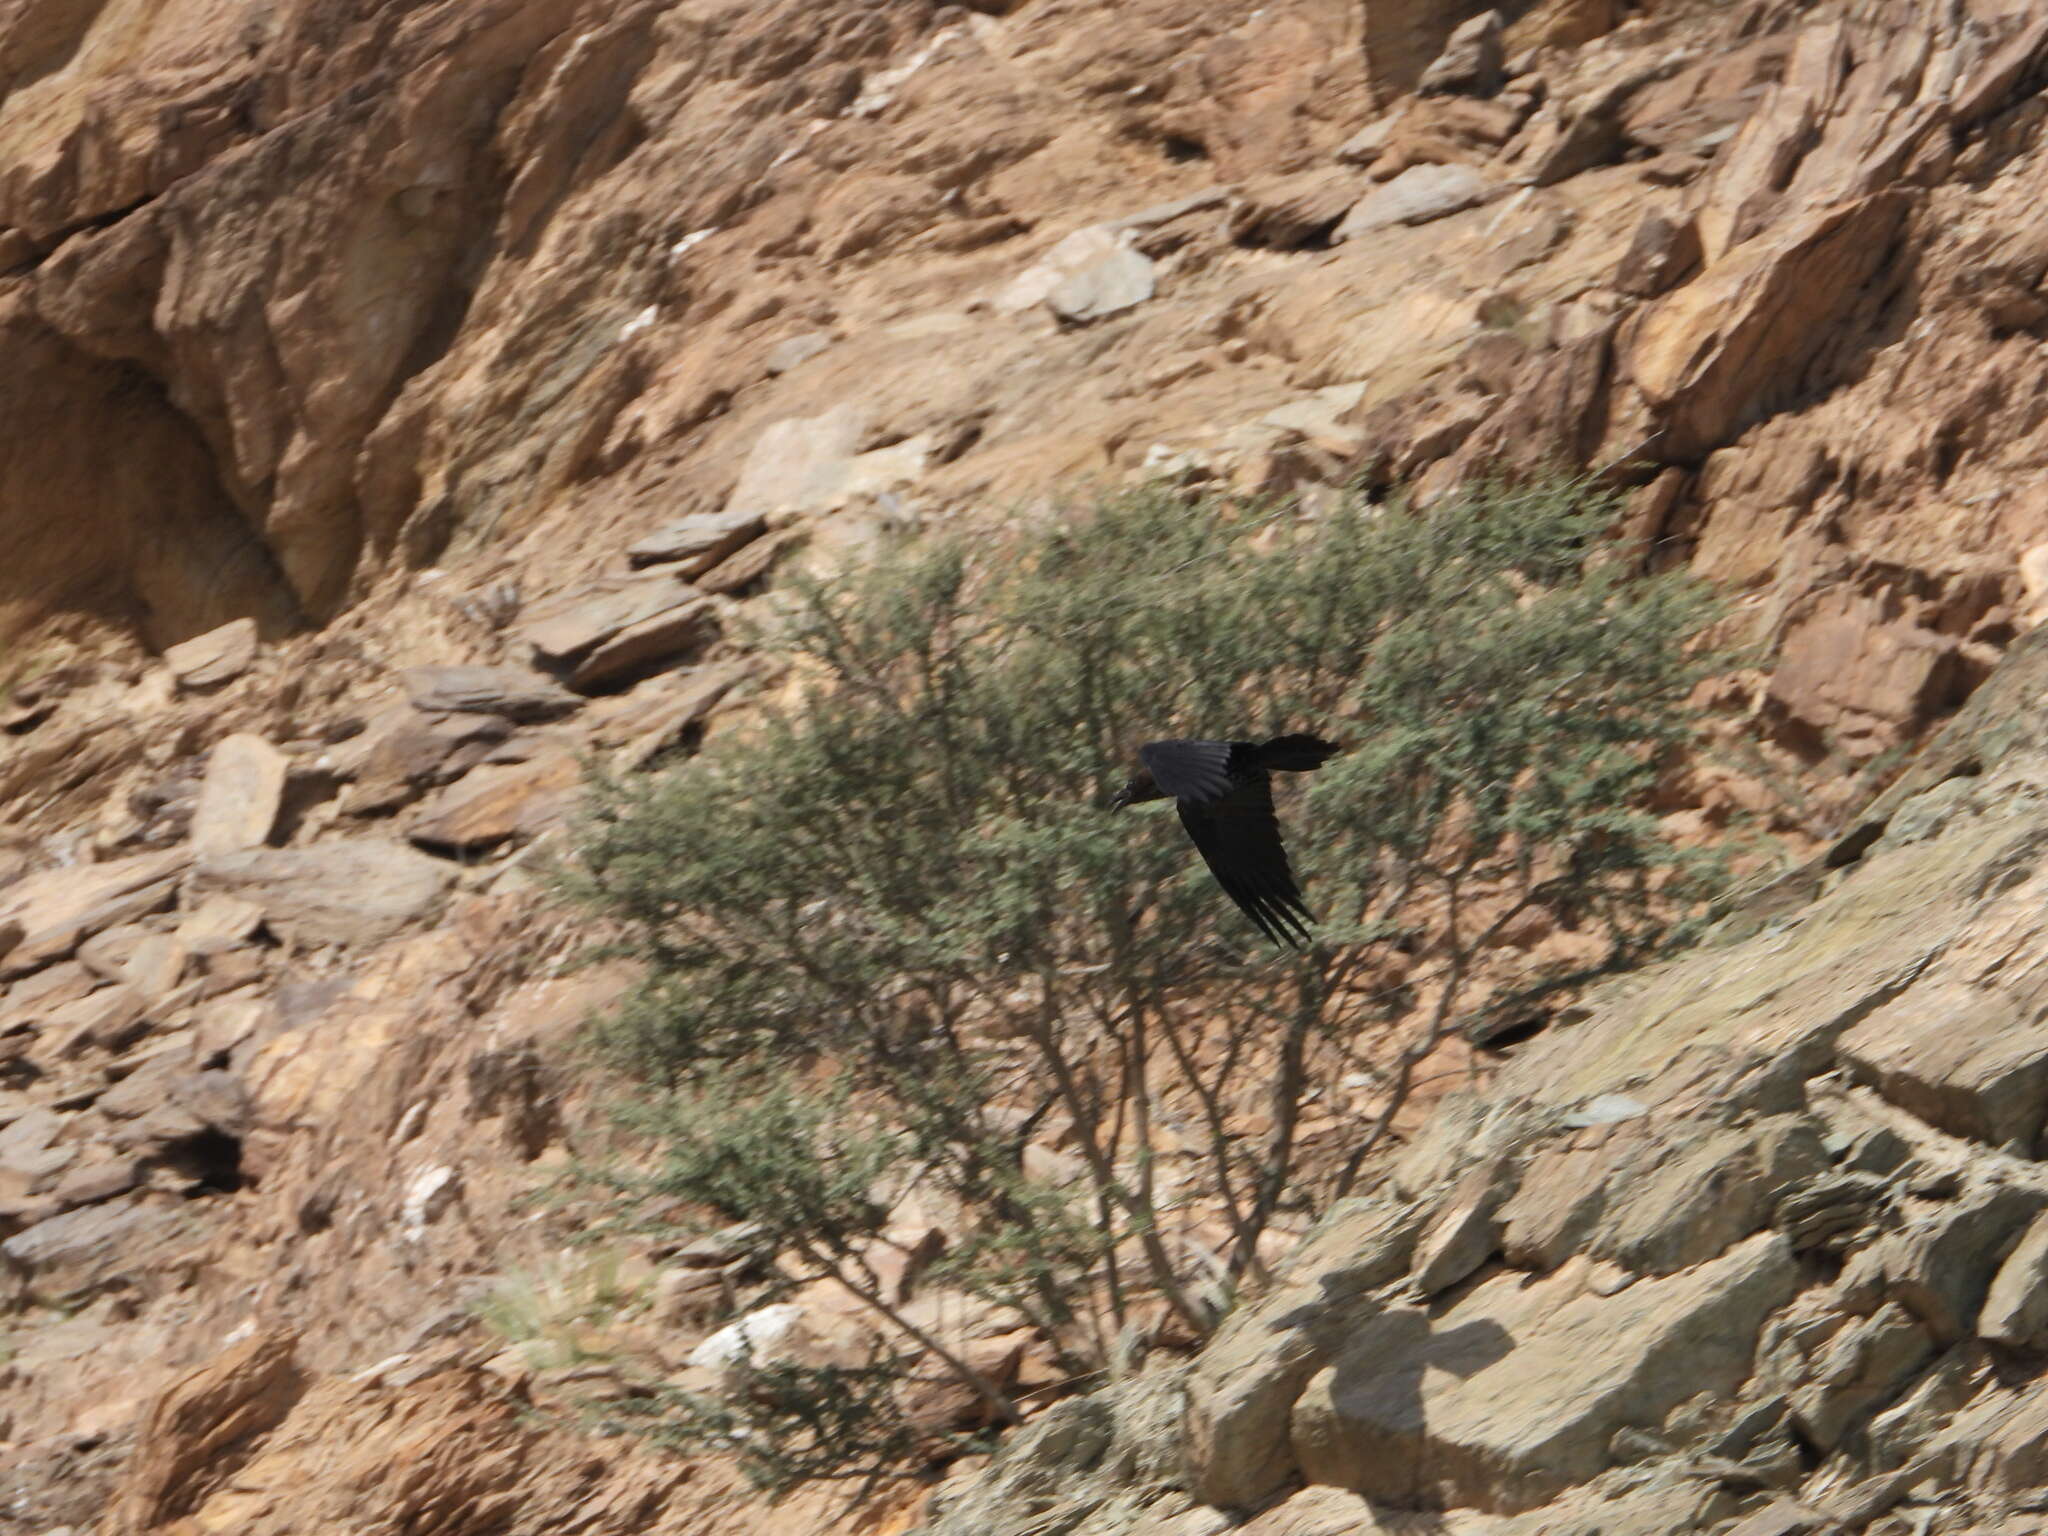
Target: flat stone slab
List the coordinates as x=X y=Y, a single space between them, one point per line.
x=218 y=924
x=798 y=463
x=1416 y=196
x=511 y=692
x=599 y=631
x=216 y=657
x=795 y=351
x=2016 y=1310
x=497 y=803
x=331 y=893
x=668 y=720
x=1513 y=1394
x=60 y=908
x=407 y=751
x=695 y=544
x=240 y=796
x=1036 y=282
x=1983 y=1073
x=84 y=1250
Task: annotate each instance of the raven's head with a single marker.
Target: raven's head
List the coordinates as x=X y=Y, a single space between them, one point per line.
x=1137 y=787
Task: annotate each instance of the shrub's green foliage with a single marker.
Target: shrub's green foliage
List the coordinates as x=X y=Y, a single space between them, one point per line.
x=909 y=882
x=793 y=1423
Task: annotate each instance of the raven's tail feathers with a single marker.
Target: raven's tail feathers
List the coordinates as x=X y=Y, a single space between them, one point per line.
x=1297 y=754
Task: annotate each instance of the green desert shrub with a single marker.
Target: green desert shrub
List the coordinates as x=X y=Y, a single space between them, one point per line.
x=892 y=927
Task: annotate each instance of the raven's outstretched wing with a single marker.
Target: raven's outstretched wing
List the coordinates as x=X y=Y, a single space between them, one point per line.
x=1239 y=838
x=1188 y=770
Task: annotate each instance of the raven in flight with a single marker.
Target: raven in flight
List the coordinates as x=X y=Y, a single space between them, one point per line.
x=1224 y=793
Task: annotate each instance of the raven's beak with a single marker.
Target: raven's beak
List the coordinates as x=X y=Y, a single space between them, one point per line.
x=1120 y=799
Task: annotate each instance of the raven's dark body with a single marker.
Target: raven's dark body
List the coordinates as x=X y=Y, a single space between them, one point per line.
x=1224 y=793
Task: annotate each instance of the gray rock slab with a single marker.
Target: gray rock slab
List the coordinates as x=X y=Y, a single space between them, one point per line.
x=511 y=692
x=2015 y=1311
x=81 y=1251
x=1513 y=1394
x=356 y=892
x=216 y=657
x=1416 y=196
x=596 y=632
x=694 y=544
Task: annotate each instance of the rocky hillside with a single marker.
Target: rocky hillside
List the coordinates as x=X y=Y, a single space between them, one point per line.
x=1756 y=1245
x=409 y=399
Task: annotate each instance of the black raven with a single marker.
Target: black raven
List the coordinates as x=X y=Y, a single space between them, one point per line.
x=1225 y=797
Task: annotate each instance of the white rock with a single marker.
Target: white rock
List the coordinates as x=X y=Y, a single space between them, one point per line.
x=427 y=1199
x=756 y=1334
x=1034 y=284
x=1116 y=281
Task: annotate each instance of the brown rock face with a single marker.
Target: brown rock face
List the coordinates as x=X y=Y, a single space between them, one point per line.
x=447 y=389
x=145 y=536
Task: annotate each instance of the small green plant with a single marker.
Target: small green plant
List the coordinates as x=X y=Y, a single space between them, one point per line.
x=891 y=936
x=564 y=1311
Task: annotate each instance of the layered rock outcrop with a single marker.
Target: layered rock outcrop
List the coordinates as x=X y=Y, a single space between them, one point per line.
x=1752 y=1246
x=364 y=288
x=408 y=403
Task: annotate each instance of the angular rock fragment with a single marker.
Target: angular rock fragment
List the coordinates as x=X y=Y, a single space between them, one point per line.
x=796 y=350
x=1117 y=280
x=1241 y=1391
x=1716 y=354
x=1033 y=285
x=216 y=657
x=669 y=720
x=407 y=752
x=111 y=1019
x=90 y=1183
x=1833 y=1213
x=597 y=633
x=1416 y=196
x=2015 y=1311
x=107 y=953
x=497 y=803
x=508 y=691
x=1293 y=211
x=1472 y=61
x=357 y=892
x=60 y=908
x=752 y=562
x=695 y=544
x=219 y=923
x=1464 y=1234
x=1984 y=1074
x=1683 y=1206
x=75 y=1253
x=240 y=796
x=1940 y=1267
x=1515 y=1392
x=1563 y=143
x=1862 y=1366
x=1864 y=682
x=30 y=1155
x=157 y=966
x=1663 y=254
